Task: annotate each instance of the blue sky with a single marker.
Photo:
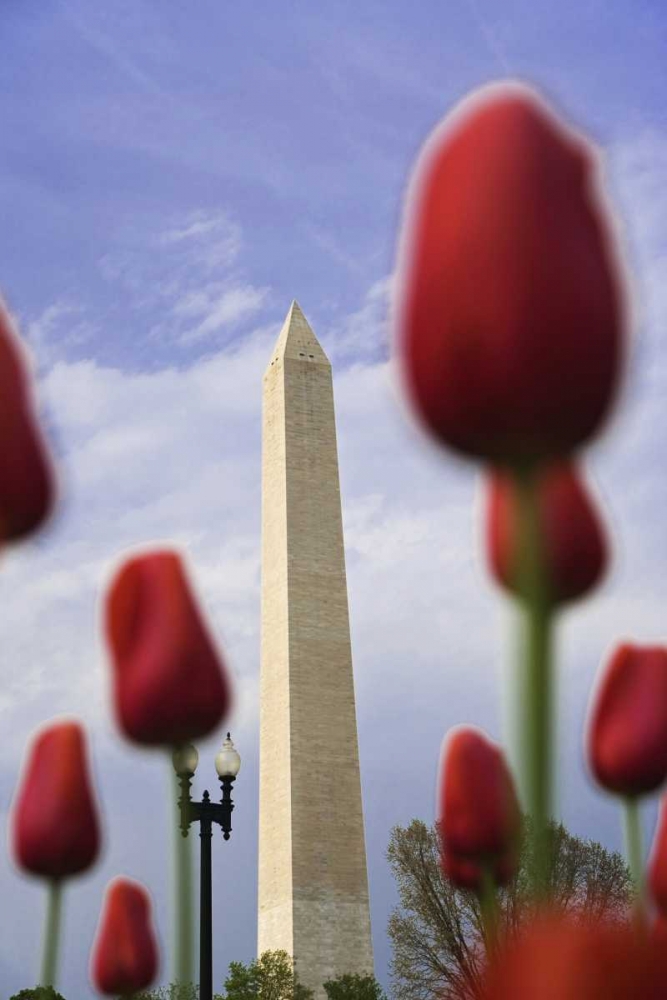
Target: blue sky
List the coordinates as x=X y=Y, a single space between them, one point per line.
x=170 y=178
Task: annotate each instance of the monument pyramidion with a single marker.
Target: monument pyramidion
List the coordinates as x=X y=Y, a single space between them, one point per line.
x=313 y=883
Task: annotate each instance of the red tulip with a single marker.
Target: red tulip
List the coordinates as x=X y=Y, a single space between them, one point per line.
x=170 y=685
x=26 y=477
x=125 y=950
x=478 y=811
x=627 y=733
x=658 y=932
x=510 y=313
x=559 y=958
x=56 y=827
x=468 y=874
x=657 y=866
x=573 y=543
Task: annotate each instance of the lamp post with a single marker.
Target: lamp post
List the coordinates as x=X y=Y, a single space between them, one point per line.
x=227 y=764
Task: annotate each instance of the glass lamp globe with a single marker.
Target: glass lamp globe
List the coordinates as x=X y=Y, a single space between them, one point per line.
x=185 y=760
x=227 y=761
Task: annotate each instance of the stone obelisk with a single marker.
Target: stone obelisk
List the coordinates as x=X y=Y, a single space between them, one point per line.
x=313 y=884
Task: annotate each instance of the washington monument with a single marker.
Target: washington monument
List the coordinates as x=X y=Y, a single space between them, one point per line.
x=313 y=885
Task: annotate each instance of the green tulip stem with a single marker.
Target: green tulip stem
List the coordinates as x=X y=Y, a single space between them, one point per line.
x=51 y=933
x=182 y=919
x=488 y=904
x=536 y=729
x=634 y=848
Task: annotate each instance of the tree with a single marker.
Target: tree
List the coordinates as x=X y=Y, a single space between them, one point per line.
x=272 y=976
x=175 y=991
x=436 y=931
x=353 y=986
x=38 y=993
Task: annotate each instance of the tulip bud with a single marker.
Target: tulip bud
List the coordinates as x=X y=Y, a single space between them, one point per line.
x=509 y=309
x=478 y=811
x=658 y=932
x=170 y=685
x=562 y=958
x=627 y=733
x=56 y=827
x=574 y=550
x=462 y=872
x=657 y=866
x=125 y=951
x=468 y=874
x=26 y=477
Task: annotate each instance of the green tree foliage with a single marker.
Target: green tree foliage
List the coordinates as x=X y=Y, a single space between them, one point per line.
x=272 y=976
x=175 y=991
x=38 y=993
x=436 y=930
x=353 y=986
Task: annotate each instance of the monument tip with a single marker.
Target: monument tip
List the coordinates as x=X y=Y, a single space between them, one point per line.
x=297 y=339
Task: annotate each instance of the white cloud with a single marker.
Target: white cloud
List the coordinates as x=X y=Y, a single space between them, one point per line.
x=61 y=326
x=209 y=239
x=219 y=309
x=184 y=281
x=362 y=336
x=325 y=241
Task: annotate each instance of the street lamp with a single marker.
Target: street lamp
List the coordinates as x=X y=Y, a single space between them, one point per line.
x=227 y=764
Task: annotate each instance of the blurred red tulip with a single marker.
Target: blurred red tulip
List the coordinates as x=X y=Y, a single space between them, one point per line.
x=125 y=951
x=170 y=684
x=573 y=542
x=560 y=958
x=510 y=308
x=27 y=485
x=657 y=866
x=55 y=820
x=627 y=732
x=478 y=812
x=468 y=874
x=658 y=932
